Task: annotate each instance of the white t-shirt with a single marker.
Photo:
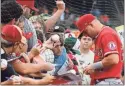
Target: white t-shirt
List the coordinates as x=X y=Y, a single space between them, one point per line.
x=84 y=60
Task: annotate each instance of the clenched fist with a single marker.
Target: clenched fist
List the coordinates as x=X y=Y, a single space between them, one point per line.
x=60 y=5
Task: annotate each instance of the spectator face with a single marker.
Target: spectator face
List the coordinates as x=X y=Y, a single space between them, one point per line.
x=57 y=50
x=22 y=46
x=86 y=42
x=21 y=25
x=27 y=12
x=25 y=45
x=37 y=25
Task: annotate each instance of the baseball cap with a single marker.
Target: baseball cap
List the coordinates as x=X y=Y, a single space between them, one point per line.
x=11 y=33
x=45 y=16
x=70 y=42
x=28 y=3
x=34 y=18
x=84 y=21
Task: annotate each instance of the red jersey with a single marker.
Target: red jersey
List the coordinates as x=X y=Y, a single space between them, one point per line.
x=108 y=42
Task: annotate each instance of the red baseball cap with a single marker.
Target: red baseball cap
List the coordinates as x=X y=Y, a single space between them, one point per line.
x=28 y=3
x=84 y=21
x=11 y=33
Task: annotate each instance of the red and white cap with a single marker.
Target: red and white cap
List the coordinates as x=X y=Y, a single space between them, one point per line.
x=84 y=21
x=11 y=33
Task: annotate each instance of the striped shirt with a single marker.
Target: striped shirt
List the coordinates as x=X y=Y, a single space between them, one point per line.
x=28 y=27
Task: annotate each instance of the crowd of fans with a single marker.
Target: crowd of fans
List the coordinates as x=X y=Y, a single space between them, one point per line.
x=35 y=48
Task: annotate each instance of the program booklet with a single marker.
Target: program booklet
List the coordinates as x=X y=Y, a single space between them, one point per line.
x=68 y=78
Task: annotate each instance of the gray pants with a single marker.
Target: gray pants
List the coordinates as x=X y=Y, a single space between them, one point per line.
x=110 y=81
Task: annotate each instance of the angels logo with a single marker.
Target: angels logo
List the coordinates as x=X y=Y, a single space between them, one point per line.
x=111 y=45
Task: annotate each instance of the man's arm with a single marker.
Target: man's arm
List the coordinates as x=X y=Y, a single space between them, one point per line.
x=39 y=74
x=70 y=63
x=27 y=68
x=110 y=60
x=8 y=82
x=55 y=17
x=46 y=80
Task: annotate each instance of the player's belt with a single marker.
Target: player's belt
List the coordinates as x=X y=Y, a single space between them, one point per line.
x=99 y=80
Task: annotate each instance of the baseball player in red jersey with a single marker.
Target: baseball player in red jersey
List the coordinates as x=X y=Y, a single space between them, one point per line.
x=107 y=65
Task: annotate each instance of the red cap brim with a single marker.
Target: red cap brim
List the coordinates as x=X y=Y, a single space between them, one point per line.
x=81 y=33
x=35 y=9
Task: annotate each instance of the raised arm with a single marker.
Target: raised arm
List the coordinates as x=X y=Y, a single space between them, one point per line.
x=55 y=17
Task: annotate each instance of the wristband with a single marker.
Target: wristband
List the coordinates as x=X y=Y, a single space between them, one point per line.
x=97 y=65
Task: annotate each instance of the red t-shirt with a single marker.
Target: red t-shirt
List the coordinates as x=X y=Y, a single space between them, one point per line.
x=108 y=42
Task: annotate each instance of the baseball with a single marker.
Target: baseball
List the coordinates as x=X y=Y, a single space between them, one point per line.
x=16 y=78
x=55 y=38
x=3 y=63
